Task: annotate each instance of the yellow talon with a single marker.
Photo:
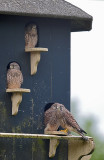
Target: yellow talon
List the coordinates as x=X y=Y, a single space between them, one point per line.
x=65 y=130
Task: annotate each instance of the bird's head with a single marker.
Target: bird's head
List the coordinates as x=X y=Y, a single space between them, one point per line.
x=13 y=65
x=54 y=106
x=57 y=106
x=31 y=35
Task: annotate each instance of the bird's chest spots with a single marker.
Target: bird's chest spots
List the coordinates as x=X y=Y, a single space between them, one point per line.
x=59 y=115
x=15 y=74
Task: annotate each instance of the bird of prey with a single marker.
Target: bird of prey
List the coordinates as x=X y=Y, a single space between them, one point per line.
x=14 y=75
x=31 y=36
x=56 y=115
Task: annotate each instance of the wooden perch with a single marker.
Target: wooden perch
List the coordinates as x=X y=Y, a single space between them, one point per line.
x=77 y=148
x=16 y=98
x=54 y=142
x=80 y=149
x=59 y=133
x=35 y=57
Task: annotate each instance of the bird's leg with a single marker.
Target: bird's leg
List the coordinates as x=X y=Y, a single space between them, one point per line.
x=68 y=129
x=65 y=130
x=48 y=128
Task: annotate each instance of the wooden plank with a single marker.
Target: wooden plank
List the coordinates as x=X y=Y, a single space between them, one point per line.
x=36 y=49
x=21 y=90
x=42 y=136
x=56 y=133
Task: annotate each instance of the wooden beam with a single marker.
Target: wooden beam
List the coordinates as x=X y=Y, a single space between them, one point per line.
x=42 y=136
x=59 y=133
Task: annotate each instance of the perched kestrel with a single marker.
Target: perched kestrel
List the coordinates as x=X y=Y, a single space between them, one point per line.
x=14 y=75
x=57 y=115
x=31 y=36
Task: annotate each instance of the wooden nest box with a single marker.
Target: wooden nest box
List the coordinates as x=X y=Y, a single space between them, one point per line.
x=46 y=72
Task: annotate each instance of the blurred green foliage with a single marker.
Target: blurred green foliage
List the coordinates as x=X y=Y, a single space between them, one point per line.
x=90 y=125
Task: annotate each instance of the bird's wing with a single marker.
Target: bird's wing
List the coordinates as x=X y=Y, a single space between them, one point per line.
x=70 y=119
x=8 y=75
x=21 y=77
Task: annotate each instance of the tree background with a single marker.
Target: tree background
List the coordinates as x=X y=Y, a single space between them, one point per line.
x=90 y=124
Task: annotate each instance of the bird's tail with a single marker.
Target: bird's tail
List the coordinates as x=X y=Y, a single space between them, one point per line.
x=82 y=132
x=84 y=137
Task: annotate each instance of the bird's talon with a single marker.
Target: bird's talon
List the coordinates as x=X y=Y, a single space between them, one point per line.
x=65 y=130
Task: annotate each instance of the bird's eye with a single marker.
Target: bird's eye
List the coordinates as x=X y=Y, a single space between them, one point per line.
x=54 y=107
x=61 y=108
x=11 y=67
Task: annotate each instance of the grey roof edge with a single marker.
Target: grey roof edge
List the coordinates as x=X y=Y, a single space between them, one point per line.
x=45 y=15
x=77 y=24
x=62 y=9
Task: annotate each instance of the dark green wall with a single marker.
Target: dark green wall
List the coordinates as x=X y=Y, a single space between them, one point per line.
x=50 y=84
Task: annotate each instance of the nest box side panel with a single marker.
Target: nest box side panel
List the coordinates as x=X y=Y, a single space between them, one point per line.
x=50 y=84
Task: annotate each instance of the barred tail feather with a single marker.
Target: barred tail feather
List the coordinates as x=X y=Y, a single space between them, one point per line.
x=82 y=131
x=84 y=137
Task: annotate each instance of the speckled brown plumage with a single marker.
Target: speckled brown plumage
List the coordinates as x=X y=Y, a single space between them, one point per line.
x=14 y=76
x=31 y=36
x=57 y=115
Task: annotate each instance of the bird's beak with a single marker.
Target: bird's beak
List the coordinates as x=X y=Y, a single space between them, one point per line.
x=58 y=107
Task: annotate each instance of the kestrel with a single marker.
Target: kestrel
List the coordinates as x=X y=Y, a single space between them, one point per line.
x=57 y=115
x=14 y=75
x=31 y=36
